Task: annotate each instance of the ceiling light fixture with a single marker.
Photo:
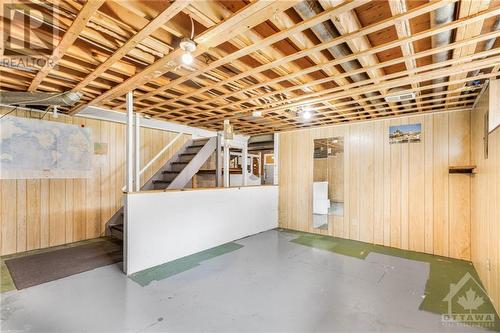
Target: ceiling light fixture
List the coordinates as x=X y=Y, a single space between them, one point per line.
x=257 y=114
x=306 y=115
x=306 y=112
x=187 y=58
x=188 y=46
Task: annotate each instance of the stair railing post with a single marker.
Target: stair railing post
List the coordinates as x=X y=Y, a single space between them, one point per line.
x=244 y=164
x=130 y=139
x=137 y=155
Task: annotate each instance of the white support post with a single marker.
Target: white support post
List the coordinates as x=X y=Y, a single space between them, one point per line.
x=226 y=163
x=260 y=167
x=218 y=161
x=130 y=140
x=244 y=164
x=276 y=159
x=137 y=155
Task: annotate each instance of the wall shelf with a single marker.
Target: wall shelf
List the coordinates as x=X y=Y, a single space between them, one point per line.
x=462 y=169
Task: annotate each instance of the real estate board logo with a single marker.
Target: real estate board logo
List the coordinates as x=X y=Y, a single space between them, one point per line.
x=28 y=36
x=468 y=304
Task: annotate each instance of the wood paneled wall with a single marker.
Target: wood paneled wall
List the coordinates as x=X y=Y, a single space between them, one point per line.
x=486 y=202
x=39 y=213
x=398 y=195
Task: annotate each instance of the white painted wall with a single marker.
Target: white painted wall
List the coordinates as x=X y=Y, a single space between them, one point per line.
x=164 y=226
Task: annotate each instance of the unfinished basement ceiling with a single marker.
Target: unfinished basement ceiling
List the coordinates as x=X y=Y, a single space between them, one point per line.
x=272 y=58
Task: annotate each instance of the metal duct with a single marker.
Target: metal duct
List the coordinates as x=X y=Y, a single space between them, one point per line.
x=326 y=31
x=441 y=16
x=488 y=45
x=39 y=98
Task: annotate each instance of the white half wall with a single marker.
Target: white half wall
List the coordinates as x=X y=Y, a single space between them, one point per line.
x=164 y=226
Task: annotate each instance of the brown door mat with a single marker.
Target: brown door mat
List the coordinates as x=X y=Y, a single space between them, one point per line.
x=48 y=266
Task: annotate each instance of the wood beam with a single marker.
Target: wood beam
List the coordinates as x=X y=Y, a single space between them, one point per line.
x=467 y=8
x=263 y=43
x=403 y=30
x=422 y=54
x=242 y=20
x=339 y=40
x=429 y=72
x=147 y=30
x=68 y=39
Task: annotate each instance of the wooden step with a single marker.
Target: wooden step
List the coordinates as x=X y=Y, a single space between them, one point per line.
x=205 y=140
x=161 y=181
x=118 y=227
x=116 y=230
x=161 y=184
x=196 y=145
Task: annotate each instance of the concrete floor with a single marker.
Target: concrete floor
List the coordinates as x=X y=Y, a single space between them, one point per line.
x=269 y=285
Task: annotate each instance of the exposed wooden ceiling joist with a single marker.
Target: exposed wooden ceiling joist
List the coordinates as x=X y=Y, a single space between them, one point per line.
x=262 y=55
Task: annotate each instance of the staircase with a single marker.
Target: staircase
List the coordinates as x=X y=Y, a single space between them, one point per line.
x=175 y=174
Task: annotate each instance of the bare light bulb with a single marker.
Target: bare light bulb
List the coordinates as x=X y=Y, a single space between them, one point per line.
x=257 y=114
x=306 y=115
x=187 y=58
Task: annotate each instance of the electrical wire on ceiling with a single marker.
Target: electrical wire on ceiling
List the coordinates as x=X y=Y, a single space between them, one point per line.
x=192 y=27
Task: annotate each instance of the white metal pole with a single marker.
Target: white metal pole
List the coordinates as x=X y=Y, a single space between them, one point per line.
x=226 y=163
x=244 y=164
x=137 y=169
x=130 y=138
x=260 y=168
x=276 y=152
x=218 y=161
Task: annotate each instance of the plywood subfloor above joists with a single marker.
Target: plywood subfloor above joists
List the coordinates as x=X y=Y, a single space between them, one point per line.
x=258 y=63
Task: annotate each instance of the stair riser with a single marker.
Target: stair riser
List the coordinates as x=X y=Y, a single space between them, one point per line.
x=169 y=176
x=192 y=150
x=160 y=186
x=178 y=167
x=116 y=233
x=186 y=158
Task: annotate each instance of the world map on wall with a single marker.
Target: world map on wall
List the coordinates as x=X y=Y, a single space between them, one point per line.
x=33 y=148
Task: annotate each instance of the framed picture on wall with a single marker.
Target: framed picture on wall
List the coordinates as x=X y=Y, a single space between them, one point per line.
x=405 y=133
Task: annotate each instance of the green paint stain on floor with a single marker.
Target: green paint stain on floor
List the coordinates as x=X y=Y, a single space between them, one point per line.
x=177 y=266
x=443 y=272
x=6 y=283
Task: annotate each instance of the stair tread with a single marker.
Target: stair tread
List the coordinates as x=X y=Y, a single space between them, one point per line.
x=117 y=227
x=159 y=181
